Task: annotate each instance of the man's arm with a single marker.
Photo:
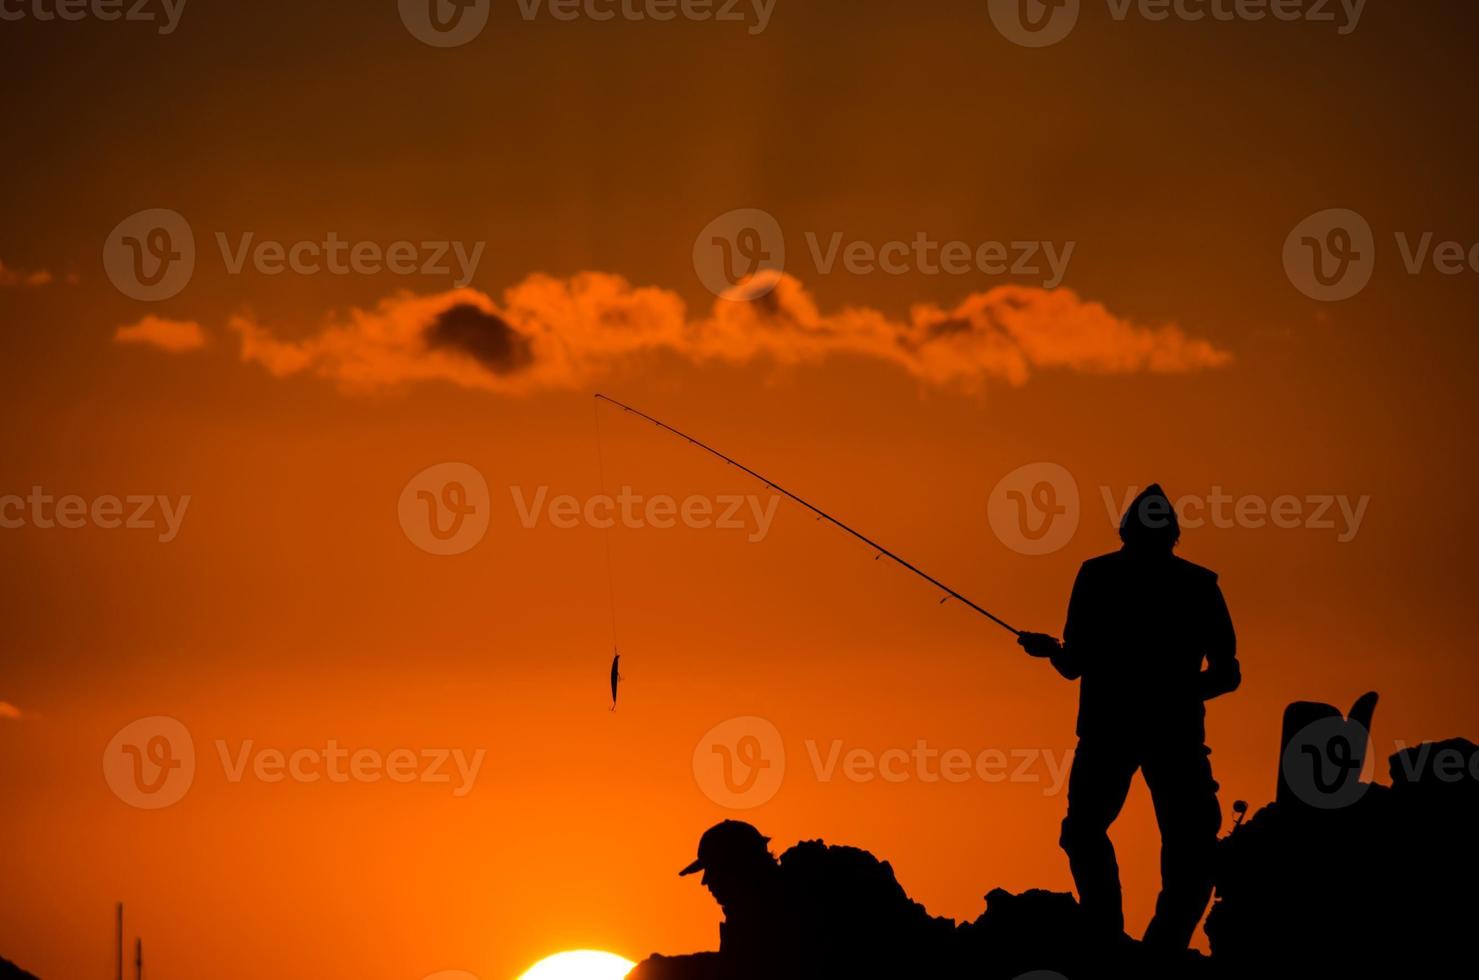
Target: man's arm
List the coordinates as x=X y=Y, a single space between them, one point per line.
x=1222 y=674
x=1066 y=657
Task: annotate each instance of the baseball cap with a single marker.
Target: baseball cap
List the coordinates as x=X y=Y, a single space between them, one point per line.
x=726 y=840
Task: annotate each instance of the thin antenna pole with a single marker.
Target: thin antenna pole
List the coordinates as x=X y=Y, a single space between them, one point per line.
x=818 y=511
x=138 y=959
x=120 y=940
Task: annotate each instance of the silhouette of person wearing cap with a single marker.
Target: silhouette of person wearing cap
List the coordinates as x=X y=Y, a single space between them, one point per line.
x=817 y=911
x=758 y=935
x=739 y=871
x=1149 y=638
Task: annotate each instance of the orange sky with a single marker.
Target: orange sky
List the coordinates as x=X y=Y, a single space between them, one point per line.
x=291 y=609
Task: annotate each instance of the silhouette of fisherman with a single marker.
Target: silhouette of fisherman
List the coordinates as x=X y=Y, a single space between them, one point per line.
x=818 y=910
x=1142 y=623
x=738 y=870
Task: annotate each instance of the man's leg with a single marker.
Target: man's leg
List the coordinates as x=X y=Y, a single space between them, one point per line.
x=1186 y=808
x=1097 y=786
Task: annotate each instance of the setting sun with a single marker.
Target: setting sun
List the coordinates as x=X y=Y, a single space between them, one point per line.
x=582 y=964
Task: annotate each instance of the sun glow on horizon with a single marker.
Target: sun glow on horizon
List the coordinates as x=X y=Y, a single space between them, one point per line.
x=580 y=964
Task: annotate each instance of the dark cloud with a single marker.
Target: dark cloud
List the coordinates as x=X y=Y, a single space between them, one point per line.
x=494 y=343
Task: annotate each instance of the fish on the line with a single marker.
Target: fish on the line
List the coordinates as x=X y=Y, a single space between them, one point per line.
x=615 y=678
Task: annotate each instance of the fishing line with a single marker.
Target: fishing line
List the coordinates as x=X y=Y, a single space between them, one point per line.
x=606 y=533
x=882 y=552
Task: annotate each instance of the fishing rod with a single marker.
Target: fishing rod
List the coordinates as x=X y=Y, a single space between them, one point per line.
x=882 y=551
